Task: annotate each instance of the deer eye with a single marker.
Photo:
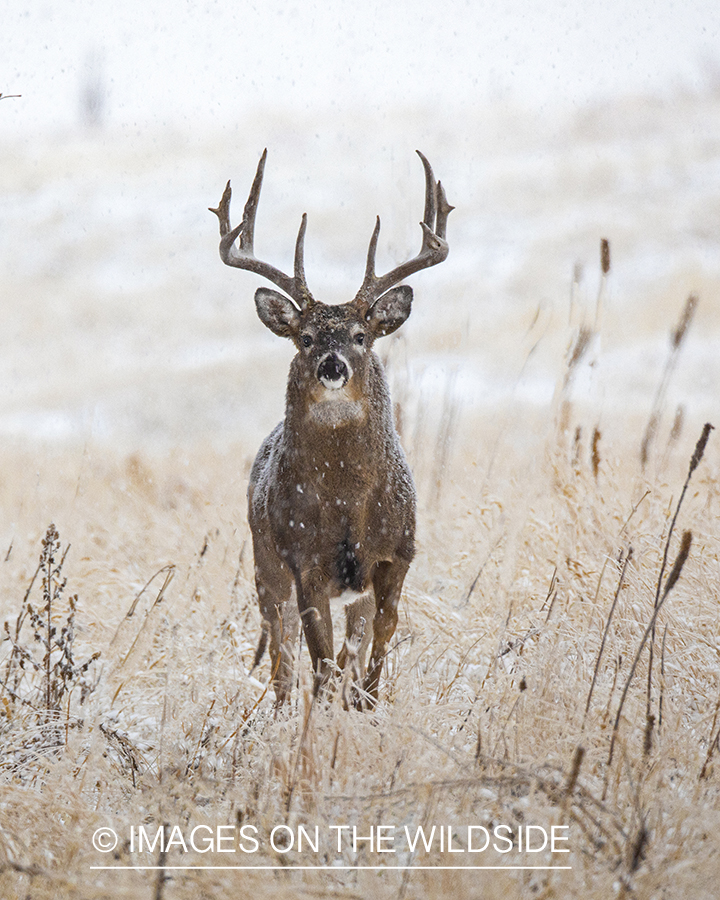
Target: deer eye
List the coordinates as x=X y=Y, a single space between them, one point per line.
x=306 y=340
x=360 y=338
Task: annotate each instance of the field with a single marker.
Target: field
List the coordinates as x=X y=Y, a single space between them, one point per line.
x=556 y=660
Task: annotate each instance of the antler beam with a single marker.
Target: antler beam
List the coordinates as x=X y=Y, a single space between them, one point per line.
x=242 y=255
x=434 y=247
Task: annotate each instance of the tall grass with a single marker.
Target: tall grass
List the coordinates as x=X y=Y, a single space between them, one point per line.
x=517 y=688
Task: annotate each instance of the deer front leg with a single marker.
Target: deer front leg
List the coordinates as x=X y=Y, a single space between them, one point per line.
x=314 y=606
x=280 y=619
x=274 y=585
x=388 y=580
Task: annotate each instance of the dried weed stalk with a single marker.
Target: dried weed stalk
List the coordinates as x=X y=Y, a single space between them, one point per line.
x=661 y=594
x=42 y=671
x=713 y=743
x=624 y=562
x=694 y=462
x=677 y=337
x=605 y=271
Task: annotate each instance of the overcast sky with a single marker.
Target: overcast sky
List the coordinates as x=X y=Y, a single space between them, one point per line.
x=179 y=62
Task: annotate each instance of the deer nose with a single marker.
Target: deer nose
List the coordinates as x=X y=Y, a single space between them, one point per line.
x=333 y=371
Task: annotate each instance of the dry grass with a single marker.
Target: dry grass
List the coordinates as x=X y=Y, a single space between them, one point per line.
x=501 y=691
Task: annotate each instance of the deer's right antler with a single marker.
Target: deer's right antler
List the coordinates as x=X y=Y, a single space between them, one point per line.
x=242 y=256
x=434 y=247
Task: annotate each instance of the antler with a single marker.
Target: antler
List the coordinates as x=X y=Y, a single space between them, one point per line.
x=434 y=247
x=242 y=256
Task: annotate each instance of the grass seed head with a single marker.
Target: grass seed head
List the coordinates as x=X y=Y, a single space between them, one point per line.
x=605 y=255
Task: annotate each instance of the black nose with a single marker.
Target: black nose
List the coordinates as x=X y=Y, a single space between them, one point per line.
x=333 y=369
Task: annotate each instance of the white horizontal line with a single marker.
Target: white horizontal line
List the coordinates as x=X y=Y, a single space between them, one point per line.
x=335 y=868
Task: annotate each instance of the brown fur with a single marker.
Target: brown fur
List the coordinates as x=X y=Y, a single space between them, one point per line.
x=331 y=501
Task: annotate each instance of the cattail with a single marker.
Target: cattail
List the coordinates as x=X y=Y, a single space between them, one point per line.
x=595 y=452
x=648 y=438
x=680 y=561
x=700 y=447
x=604 y=268
x=582 y=342
x=649 y=726
x=678 y=335
x=576 y=447
x=677 y=425
x=578 y=757
x=605 y=255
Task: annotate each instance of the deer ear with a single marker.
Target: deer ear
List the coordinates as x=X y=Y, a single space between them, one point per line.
x=277 y=312
x=389 y=312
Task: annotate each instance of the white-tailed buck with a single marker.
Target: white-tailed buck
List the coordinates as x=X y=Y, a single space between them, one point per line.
x=331 y=496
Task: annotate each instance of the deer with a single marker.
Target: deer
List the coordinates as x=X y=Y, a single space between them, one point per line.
x=331 y=498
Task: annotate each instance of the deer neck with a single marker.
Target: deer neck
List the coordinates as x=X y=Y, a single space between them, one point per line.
x=336 y=420
x=347 y=424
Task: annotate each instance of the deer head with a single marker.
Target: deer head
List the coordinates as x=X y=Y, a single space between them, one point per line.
x=314 y=327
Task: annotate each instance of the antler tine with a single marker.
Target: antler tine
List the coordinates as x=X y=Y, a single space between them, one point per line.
x=247 y=234
x=243 y=256
x=223 y=210
x=434 y=248
x=437 y=209
x=443 y=211
x=370 y=265
x=300 y=254
x=429 y=215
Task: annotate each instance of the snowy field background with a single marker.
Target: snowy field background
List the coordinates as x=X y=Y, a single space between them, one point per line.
x=550 y=127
